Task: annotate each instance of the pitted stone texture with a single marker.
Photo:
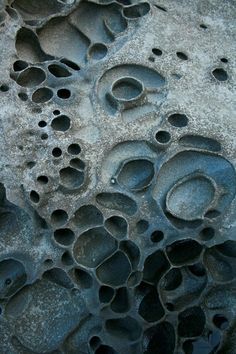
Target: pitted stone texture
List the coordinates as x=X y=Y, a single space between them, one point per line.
x=118 y=182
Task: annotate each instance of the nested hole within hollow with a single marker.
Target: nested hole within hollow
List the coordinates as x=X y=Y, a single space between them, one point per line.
x=127 y=88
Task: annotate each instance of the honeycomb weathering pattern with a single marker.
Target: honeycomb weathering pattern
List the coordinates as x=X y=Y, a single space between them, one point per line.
x=118 y=182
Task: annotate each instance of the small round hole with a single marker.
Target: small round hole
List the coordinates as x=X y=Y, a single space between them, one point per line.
x=74 y=149
x=151 y=59
x=34 y=197
x=163 y=137
x=8 y=282
x=64 y=237
x=98 y=51
x=64 y=94
x=157 y=236
x=23 y=96
x=42 y=95
x=56 y=152
x=170 y=307
x=59 y=217
x=207 y=234
x=56 y=112
x=20 y=65
x=220 y=74
x=182 y=56
x=48 y=262
x=224 y=60
x=4 y=88
x=67 y=259
x=44 y=136
x=203 y=26
x=31 y=164
x=220 y=322
x=94 y=342
x=157 y=52
x=42 y=179
x=42 y=124
x=178 y=120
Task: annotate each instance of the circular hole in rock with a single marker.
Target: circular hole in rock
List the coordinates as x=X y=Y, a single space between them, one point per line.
x=157 y=52
x=172 y=279
x=59 y=217
x=105 y=349
x=44 y=136
x=48 y=262
x=203 y=26
x=115 y=270
x=207 y=234
x=83 y=279
x=197 y=269
x=157 y=236
x=182 y=56
x=20 y=65
x=77 y=163
x=71 y=178
x=224 y=60
x=94 y=342
x=163 y=137
x=58 y=70
x=106 y=294
x=74 y=149
x=178 y=120
x=93 y=246
x=56 y=152
x=137 y=10
x=117 y=226
x=137 y=174
x=191 y=322
x=220 y=74
x=23 y=96
x=42 y=179
x=67 y=259
x=4 y=88
x=142 y=226
x=64 y=94
x=34 y=197
x=170 y=307
x=98 y=51
x=64 y=237
x=42 y=95
x=70 y=64
x=61 y=123
x=56 y=112
x=126 y=329
x=127 y=88
x=31 y=77
x=220 y=321
x=42 y=124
